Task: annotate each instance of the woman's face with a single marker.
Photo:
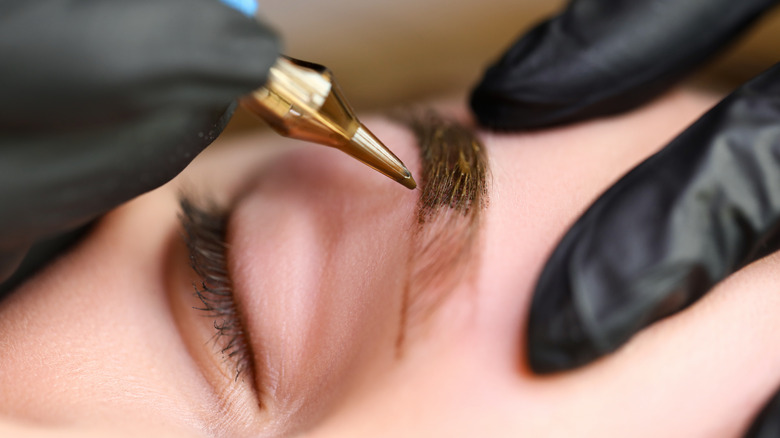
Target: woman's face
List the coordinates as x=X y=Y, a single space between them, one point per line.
x=340 y=331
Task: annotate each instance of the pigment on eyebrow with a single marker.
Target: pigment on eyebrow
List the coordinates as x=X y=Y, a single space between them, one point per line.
x=454 y=178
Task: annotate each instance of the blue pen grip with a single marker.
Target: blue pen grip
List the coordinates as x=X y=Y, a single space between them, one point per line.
x=248 y=7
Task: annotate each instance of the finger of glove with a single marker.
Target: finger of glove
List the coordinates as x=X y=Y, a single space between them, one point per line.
x=671 y=379
x=73 y=64
x=665 y=233
x=601 y=57
x=44 y=190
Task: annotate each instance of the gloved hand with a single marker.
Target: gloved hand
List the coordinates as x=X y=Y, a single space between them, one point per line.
x=664 y=234
x=103 y=100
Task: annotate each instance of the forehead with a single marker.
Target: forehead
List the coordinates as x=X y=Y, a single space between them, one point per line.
x=541 y=181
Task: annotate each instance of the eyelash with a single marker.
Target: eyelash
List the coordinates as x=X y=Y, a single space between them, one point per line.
x=204 y=234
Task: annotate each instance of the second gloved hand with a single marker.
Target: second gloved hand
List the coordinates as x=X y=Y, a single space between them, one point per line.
x=680 y=222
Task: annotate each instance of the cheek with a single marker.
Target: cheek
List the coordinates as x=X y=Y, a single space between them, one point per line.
x=90 y=339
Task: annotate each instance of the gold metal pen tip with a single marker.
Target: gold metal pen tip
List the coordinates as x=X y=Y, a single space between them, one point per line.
x=302 y=100
x=367 y=148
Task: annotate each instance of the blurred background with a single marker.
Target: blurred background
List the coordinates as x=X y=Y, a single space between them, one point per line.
x=386 y=53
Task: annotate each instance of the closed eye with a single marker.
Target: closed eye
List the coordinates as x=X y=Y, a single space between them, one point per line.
x=204 y=233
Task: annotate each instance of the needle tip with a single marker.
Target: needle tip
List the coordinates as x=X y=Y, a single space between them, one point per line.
x=408 y=180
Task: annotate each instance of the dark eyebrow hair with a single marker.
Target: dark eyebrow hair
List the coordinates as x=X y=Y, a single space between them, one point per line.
x=454 y=185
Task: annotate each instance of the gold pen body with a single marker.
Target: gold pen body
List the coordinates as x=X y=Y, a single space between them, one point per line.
x=301 y=100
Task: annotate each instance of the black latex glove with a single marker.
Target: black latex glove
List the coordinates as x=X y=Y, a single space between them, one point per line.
x=601 y=57
x=664 y=234
x=102 y=100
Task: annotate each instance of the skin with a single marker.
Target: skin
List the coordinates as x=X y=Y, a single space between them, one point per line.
x=105 y=341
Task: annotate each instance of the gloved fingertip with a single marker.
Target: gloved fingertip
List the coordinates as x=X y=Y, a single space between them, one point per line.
x=533 y=85
x=212 y=125
x=496 y=110
x=557 y=340
x=224 y=119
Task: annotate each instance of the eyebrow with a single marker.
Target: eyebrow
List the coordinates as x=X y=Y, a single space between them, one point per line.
x=454 y=185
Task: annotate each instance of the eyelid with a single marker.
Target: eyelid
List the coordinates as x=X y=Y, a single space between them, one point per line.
x=204 y=234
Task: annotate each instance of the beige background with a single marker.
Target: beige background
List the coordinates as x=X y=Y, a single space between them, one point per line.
x=388 y=52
